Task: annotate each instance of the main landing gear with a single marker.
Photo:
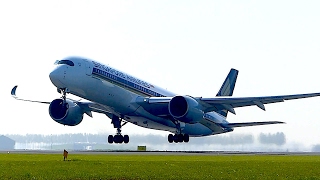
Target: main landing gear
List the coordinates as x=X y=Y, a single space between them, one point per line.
x=178 y=138
x=118 y=138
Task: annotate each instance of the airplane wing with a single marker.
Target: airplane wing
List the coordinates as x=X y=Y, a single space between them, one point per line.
x=229 y=103
x=229 y=126
x=87 y=107
x=233 y=125
x=13 y=94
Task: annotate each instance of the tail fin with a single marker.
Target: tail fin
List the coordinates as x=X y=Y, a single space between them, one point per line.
x=229 y=84
x=228 y=87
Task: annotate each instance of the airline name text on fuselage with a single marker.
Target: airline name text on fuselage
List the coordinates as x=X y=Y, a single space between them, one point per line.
x=121 y=74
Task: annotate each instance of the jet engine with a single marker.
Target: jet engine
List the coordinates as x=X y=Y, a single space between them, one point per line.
x=185 y=109
x=66 y=113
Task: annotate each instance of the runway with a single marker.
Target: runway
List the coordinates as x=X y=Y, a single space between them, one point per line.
x=168 y=153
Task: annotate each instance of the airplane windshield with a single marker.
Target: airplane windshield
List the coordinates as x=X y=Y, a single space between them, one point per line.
x=67 y=62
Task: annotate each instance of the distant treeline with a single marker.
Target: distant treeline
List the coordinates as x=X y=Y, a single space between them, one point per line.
x=58 y=138
x=226 y=139
x=278 y=138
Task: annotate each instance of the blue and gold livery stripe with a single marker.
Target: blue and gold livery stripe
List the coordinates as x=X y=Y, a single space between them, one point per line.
x=122 y=82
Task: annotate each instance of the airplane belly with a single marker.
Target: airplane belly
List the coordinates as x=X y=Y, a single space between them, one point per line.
x=197 y=130
x=145 y=119
x=150 y=124
x=113 y=96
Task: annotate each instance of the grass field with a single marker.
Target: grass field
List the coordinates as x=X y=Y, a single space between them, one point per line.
x=90 y=166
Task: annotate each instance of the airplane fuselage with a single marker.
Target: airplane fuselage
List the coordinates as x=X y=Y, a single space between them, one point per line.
x=125 y=98
x=120 y=93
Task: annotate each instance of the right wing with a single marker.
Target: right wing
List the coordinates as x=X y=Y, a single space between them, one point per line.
x=216 y=126
x=229 y=103
x=245 y=124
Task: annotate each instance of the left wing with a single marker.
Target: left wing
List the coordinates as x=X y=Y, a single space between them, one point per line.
x=13 y=94
x=86 y=107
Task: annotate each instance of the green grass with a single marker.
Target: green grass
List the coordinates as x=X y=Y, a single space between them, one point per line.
x=81 y=166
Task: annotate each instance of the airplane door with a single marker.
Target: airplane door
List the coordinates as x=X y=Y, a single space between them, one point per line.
x=88 y=68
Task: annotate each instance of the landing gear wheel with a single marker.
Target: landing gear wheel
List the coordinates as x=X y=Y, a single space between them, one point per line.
x=118 y=139
x=186 y=138
x=175 y=138
x=170 y=138
x=110 y=139
x=126 y=139
x=178 y=138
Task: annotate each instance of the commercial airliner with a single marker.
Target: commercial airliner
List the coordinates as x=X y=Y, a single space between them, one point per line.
x=124 y=98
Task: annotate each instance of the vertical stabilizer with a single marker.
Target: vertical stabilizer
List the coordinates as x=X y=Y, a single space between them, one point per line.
x=228 y=87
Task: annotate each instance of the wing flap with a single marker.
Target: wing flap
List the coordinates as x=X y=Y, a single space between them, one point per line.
x=87 y=107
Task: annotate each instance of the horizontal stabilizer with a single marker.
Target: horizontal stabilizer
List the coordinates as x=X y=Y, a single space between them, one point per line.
x=233 y=125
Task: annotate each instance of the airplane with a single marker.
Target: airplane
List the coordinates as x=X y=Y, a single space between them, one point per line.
x=124 y=98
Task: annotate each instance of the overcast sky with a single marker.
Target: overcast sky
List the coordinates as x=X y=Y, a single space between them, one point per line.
x=187 y=47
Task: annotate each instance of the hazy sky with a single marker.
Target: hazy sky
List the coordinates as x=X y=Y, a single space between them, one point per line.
x=187 y=47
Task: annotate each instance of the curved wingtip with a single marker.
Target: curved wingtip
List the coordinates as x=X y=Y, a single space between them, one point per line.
x=13 y=94
x=13 y=91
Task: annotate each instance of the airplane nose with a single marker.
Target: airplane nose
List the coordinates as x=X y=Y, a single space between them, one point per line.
x=57 y=76
x=53 y=75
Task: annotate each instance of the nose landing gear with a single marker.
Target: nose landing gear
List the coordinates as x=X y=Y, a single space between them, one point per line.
x=63 y=92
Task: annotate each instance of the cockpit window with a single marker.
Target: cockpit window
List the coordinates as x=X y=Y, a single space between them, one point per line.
x=67 y=62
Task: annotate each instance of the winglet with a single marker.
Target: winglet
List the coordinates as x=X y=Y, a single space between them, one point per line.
x=13 y=91
x=13 y=94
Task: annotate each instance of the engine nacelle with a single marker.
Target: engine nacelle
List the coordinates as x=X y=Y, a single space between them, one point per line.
x=68 y=113
x=185 y=109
